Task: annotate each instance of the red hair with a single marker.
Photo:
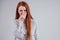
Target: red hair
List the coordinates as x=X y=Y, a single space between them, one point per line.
x=28 y=17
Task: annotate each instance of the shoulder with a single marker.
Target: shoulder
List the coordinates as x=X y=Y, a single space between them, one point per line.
x=33 y=22
x=16 y=21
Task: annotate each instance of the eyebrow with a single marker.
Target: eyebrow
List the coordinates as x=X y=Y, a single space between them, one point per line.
x=22 y=10
x=25 y=10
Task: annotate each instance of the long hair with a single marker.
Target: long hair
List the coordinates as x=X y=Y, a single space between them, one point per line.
x=28 y=17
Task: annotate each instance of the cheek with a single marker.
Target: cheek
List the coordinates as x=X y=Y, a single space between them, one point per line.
x=25 y=14
x=19 y=12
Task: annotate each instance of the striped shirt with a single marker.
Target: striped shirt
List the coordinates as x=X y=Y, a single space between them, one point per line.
x=20 y=32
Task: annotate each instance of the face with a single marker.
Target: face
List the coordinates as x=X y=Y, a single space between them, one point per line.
x=22 y=12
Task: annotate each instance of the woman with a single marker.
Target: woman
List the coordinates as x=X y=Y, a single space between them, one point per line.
x=26 y=26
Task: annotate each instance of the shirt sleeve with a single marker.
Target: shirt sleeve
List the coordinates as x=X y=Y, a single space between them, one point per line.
x=15 y=28
x=34 y=26
x=35 y=33
x=18 y=33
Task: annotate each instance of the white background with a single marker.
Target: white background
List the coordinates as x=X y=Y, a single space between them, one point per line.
x=45 y=12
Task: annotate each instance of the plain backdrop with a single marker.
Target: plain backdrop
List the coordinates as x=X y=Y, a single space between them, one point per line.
x=46 y=13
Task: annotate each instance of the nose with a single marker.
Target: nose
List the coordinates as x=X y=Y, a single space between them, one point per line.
x=23 y=12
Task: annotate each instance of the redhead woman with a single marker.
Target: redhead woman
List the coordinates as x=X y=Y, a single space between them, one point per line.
x=25 y=25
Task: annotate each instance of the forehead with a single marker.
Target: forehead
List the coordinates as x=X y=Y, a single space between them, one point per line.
x=22 y=8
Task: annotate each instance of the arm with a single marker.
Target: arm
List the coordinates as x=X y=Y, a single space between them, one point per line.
x=35 y=34
x=16 y=32
x=34 y=30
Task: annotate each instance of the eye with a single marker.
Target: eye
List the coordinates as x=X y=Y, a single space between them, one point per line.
x=25 y=10
x=20 y=10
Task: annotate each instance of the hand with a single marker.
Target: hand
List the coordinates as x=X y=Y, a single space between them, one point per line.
x=21 y=20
